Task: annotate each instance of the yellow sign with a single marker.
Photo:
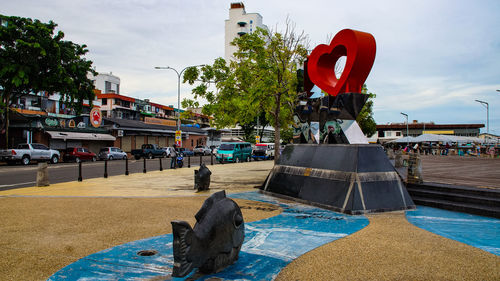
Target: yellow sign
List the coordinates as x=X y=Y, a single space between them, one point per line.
x=451 y=132
x=178 y=138
x=151 y=120
x=257 y=139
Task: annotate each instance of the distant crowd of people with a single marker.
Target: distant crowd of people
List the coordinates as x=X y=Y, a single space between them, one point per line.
x=444 y=149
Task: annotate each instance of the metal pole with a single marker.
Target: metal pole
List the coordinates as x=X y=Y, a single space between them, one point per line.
x=201 y=159
x=189 y=161
x=211 y=158
x=105 y=168
x=80 y=171
x=485 y=104
x=407 y=132
x=126 y=166
x=178 y=90
x=144 y=166
x=161 y=167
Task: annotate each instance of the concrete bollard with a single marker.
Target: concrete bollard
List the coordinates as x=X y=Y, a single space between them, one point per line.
x=42 y=175
x=202 y=178
x=390 y=153
x=398 y=159
x=414 y=174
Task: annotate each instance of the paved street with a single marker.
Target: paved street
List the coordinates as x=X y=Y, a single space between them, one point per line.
x=23 y=176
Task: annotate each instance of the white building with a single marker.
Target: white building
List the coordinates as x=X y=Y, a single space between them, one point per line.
x=238 y=24
x=106 y=82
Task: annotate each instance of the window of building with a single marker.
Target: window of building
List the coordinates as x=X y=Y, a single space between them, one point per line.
x=398 y=134
x=125 y=103
x=104 y=101
x=380 y=134
x=107 y=86
x=117 y=88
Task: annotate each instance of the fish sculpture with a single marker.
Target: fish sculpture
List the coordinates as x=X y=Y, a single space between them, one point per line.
x=215 y=241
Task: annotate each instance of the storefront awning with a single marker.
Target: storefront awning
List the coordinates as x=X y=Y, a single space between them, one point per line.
x=80 y=136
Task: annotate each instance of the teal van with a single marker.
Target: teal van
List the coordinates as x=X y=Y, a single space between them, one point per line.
x=234 y=152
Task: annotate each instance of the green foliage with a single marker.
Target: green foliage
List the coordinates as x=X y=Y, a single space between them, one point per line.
x=365 y=117
x=262 y=80
x=34 y=58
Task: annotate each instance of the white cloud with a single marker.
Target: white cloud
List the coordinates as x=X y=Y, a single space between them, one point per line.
x=430 y=54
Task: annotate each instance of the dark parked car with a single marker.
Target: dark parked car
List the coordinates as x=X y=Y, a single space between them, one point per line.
x=79 y=154
x=185 y=151
x=148 y=151
x=111 y=153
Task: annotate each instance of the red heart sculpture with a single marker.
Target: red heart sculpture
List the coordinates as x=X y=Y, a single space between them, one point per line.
x=359 y=48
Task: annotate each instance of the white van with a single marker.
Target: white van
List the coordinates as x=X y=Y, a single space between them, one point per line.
x=264 y=151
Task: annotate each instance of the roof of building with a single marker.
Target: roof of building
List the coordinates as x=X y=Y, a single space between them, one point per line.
x=428 y=126
x=139 y=125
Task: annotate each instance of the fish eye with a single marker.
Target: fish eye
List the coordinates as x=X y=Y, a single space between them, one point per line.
x=237 y=220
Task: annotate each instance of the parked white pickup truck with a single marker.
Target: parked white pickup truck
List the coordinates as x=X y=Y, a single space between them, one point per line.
x=26 y=152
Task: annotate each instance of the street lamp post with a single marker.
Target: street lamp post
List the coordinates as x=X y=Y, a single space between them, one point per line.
x=407 y=132
x=178 y=89
x=485 y=104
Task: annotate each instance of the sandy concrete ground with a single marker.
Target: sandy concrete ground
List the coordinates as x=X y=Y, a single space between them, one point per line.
x=390 y=248
x=44 y=229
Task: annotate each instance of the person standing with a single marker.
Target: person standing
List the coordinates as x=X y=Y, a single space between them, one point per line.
x=173 y=157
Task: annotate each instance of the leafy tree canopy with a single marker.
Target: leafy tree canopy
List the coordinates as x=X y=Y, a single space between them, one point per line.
x=34 y=58
x=262 y=79
x=365 y=117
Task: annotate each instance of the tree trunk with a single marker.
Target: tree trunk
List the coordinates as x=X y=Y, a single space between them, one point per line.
x=6 y=101
x=277 y=126
x=7 y=124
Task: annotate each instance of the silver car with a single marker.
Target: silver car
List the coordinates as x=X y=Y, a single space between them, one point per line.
x=110 y=153
x=202 y=150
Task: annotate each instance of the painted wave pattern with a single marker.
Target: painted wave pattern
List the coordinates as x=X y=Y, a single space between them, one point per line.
x=477 y=231
x=269 y=245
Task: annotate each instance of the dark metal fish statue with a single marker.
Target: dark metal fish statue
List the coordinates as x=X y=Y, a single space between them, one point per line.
x=215 y=241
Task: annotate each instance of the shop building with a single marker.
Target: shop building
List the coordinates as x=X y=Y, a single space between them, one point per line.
x=394 y=131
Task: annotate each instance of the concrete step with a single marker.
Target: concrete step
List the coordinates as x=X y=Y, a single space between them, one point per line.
x=455 y=189
x=456 y=196
x=470 y=208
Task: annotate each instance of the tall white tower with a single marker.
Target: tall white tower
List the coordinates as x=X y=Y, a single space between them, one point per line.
x=239 y=24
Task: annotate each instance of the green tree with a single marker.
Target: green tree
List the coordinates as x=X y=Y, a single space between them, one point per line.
x=261 y=80
x=365 y=117
x=34 y=58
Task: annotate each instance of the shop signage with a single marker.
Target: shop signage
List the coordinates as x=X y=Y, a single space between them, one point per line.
x=71 y=123
x=51 y=122
x=96 y=117
x=178 y=138
x=166 y=122
x=257 y=139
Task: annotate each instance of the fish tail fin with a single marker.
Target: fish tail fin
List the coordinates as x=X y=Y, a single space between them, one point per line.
x=183 y=235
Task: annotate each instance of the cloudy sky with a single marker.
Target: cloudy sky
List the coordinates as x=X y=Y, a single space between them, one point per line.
x=434 y=58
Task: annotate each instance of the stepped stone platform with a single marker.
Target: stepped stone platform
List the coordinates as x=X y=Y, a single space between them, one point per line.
x=464 y=184
x=479 y=201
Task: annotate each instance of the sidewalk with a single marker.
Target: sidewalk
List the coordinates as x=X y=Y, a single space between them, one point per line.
x=167 y=183
x=46 y=228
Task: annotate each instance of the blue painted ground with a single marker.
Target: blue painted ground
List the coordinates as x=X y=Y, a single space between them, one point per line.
x=269 y=245
x=478 y=231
